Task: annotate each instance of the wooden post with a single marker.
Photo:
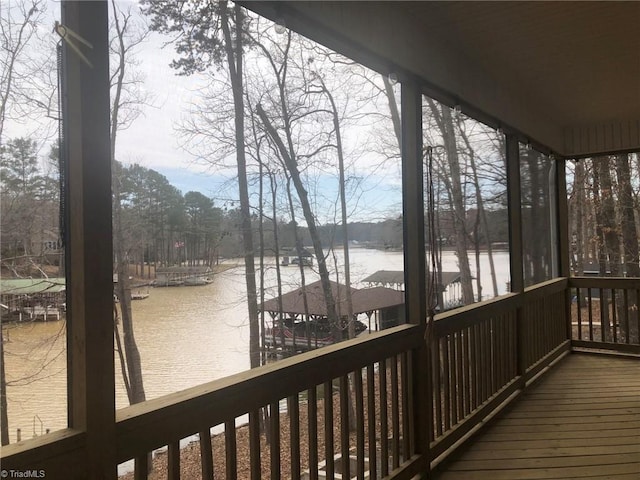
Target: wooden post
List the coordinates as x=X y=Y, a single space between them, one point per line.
x=88 y=249
x=516 y=254
x=564 y=246
x=414 y=262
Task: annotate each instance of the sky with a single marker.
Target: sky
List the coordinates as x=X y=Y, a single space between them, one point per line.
x=152 y=141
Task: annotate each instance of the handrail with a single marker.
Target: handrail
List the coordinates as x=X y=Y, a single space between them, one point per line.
x=157 y=422
x=545 y=289
x=468 y=315
x=60 y=454
x=605 y=282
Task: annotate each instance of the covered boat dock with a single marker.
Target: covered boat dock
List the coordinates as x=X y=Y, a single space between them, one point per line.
x=299 y=318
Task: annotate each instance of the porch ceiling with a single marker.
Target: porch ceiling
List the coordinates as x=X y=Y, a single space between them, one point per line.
x=565 y=75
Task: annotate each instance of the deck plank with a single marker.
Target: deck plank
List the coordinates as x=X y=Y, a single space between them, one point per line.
x=580 y=421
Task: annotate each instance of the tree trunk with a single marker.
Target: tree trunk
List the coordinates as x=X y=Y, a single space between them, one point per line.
x=610 y=234
x=393 y=109
x=303 y=281
x=445 y=123
x=132 y=354
x=481 y=220
x=579 y=194
x=276 y=241
x=345 y=246
x=631 y=260
x=292 y=167
x=235 y=63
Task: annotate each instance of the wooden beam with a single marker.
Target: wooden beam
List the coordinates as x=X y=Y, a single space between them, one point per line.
x=413 y=205
x=563 y=246
x=563 y=218
x=514 y=199
x=414 y=262
x=91 y=381
x=516 y=253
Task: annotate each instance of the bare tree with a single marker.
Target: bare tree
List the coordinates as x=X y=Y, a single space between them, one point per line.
x=444 y=121
x=206 y=34
x=126 y=107
x=18 y=30
x=481 y=216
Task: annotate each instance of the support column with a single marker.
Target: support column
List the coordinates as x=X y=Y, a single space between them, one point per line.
x=563 y=246
x=414 y=263
x=516 y=254
x=90 y=362
x=514 y=200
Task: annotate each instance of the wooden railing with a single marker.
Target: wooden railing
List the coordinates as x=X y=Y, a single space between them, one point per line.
x=290 y=419
x=482 y=354
x=605 y=313
x=296 y=413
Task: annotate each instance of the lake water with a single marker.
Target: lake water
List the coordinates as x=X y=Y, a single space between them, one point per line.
x=186 y=336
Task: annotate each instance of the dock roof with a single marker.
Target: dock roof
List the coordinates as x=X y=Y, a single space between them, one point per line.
x=30 y=286
x=397 y=277
x=364 y=300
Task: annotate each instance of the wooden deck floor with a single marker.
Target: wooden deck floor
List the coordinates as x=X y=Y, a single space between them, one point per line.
x=582 y=420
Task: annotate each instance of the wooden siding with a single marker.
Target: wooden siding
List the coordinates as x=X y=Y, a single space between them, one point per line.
x=582 y=419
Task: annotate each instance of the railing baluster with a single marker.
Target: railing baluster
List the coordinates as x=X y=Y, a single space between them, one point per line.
x=486 y=353
x=359 y=423
x=294 y=435
x=371 y=417
x=514 y=343
x=230 y=448
x=590 y=303
x=604 y=314
x=460 y=390
x=626 y=315
x=395 y=413
x=475 y=366
x=499 y=336
x=206 y=455
x=466 y=365
x=406 y=401
x=636 y=314
x=173 y=461
x=579 y=307
x=328 y=429
x=437 y=387
x=255 y=463
x=506 y=348
x=446 y=372
x=312 y=420
x=274 y=454
x=451 y=347
x=345 y=398
x=384 y=418
x=493 y=342
x=538 y=327
x=141 y=467
x=614 y=316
